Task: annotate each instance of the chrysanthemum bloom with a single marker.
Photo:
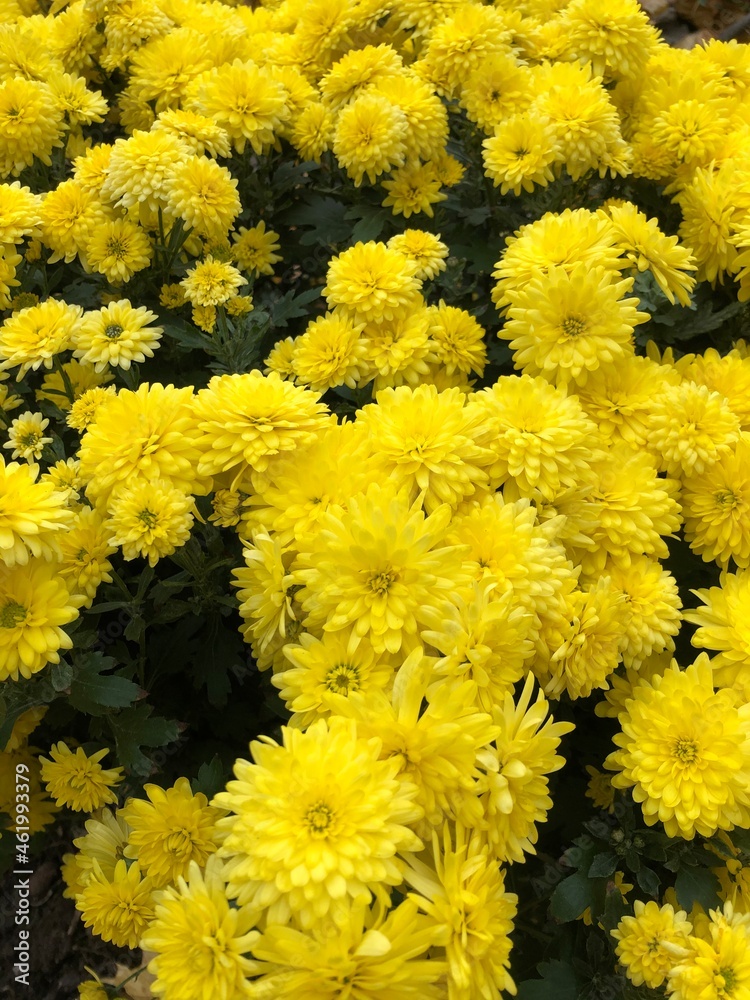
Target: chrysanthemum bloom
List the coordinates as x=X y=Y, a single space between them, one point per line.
x=227 y=508
x=26 y=436
x=600 y=790
x=375 y=953
x=483 y=638
x=9 y=261
x=30 y=124
x=465 y=897
x=265 y=595
x=514 y=784
x=619 y=398
x=34 y=605
x=160 y=443
x=540 y=437
x=330 y=352
x=31 y=337
x=412 y=189
x=70 y=214
x=648 y=249
x=212 y=282
x=651 y=613
x=641 y=941
x=426 y=117
x=315 y=823
x=149 y=518
x=369 y=137
x=116 y=335
x=103 y=844
x=336 y=664
x=85 y=551
x=78 y=104
x=373 y=282
x=378 y=566
x=204 y=195
x=709 y=208
x=399 y=351
x=716 y=506
x=565 y=324
x=459 y=44
x=253 y=249
x=623 y=683
x=457 y=339
x=162 y=70
x=616 y=43
x=90 y=170
x=245 y=100
x=312 y=132
x=575 y=236
x=76 y=780
x=521 y=154
x=118 y=248
x=32 y=517
x=118 y=908
x=426 y=441
x=635 y=508
x=357 y=70
x=81 y=378
x=91 y=989
x=685 y=751
x=19 y=213
x=724 y=626
x=425 y=249
x=498 y=88
x=433 y=732
x=141 y=168
x=169 y=831
x=65 y=475
x=194 y=917
x=83 y=411
x=201 y=134
x=691 y=428
x=729 y=375
x=716 y=963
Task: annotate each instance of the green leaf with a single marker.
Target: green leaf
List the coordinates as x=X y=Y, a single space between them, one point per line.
x=649 y=881
x=210 y=779
x=371 y=222
x=293 y=306
x=324 y=215
x=603 y=865
x=94 y=690
x=558 y=981
x=61 y=675
x=135 y=728
x=571 y=897
x=696 y=885
x=187 y=336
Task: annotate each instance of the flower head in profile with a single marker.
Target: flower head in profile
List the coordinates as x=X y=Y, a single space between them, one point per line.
x=117 y=335
x=648 y=942
x=684 y=749
x=265 y=589
x=78 y=780
x=195 y=916
x=85 y=550
x=315 y=823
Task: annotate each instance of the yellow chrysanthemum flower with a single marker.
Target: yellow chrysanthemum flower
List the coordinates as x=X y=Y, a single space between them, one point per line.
x=70 y=215
x=564 y=324
x=26 y=436
x=616 y=42
x=212 y=282
x=81 y=378
x=330 y=352
x=728 y=375
x=334 y=817
x=716 y=507
x=399 y=351
x=253 y=249
x=140 y=169
x=685 y=751
x=458 y=44
x=724 y=626
x=370 y=137
x=149 y=518
x=118 y=908
x=649 y=942
x=77 y=780
x=715 y=964
x=116 y=335
x=161 y=442
x=30 y=338
x=691 y=428
x=170 y=831
x=373 y=282
x=118 y=249
x=357 y=70
x=599 y=789
x=195 y=916
x=413 y=188
x=514 y=785
x=227 y=506
x=34 y=605
x=312 y=132
x=522 y=153
x=425 y=249
x=83 y=411
x=19 y=213
x=85 y=551
x=30 y=124
x=204 y=195
x=203 y=135
x=378 y=566
x=464 y=895
x=32 y=517
x=651 y=613
x=265 y=594
x=497 y=89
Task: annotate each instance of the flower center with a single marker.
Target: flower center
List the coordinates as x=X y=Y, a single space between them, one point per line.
x=726 y=498
x=573 y=326
x=381 y=582
x=113 y=331
x=116 y=248
x=725 y=980
x=148 y=517
x=12 y=614
x=318 y=819
x=343 y=678
x=30 y=440
x=179 y=843
x=685 y=750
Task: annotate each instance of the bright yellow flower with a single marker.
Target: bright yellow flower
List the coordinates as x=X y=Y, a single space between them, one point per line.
x=31 y=337
x=357 y=70
x=149 y=518
x=116 y=335
x=140 y=169
x=412 y=189
x=651 y=613
x=373 y=282
x=201 y=134
x=716 y=507
x=685 y=751
x=522 y=153
x=616 y=42
x=26 y=436
x=369 y=137
x=645 y=942
x=399 y=351
x=83 y=411
x=333 y=818
x=30 y=124
x=118 y=249
x=265 y=596
x=76 y=780
x=118 y=908
x=425 y=249
x=211 y=282
x=204 y=195
x=19 y=213
x=330 y=352
x=81 y=377
x=724 y=626
x=457 y=339
x=85 y=551
x=691 y=428
x=254 y=248
x=70 y=215
x=717 y=965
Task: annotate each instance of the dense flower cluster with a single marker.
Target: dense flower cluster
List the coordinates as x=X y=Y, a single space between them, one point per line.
x=439 y=564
